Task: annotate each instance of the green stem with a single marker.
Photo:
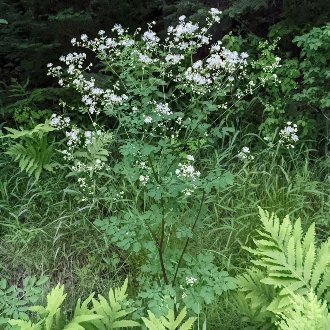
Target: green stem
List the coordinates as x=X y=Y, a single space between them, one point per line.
x=187 y=241
x=153 y=170
x=160 y=247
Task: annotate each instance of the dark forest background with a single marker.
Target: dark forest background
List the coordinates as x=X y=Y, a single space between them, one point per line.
x=39 y=31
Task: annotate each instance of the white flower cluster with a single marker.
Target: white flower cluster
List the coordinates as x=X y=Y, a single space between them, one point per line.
x=147 y=119
x=163 y=109
x=74 y=58
x=215 y=13
x=59 y=121
x=245 y=154
x=81 y=167
x=191 y=280
x=119 y=196
x=189 y=36
x=145 y=59
x=192 y=75
x=188 y=191
x=150 y=38
x=144 y=179
x=288 y=135
x=174 y=58
x=187 y=170
x=73 y=137
x=211 y=72
x=86 y=188
x=74 y=76
x=119 y=29
x=183 y=29
x=77 y=140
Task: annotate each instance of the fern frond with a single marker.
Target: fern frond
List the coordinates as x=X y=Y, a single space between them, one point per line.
x=112 y=311
x=39 y=130
x=33 y=155
x=291 y=261
x=83 y=316
x=258 y=294
x=170 y=322
x=25 y=325
x=305 y=313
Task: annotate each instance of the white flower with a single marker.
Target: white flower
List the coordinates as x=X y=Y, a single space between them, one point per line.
x=145 y=59
x=88 y=134
x=147 y=119
x=144 y=179
x=187 y=191
x=214 y=61
x=244 y=55
x=246 y=150
x=215 y=13
x=170 y=29
x=191 y=280
x=128 y=42
x=84 y=37
x=245 y=154
x=118 y=28
x=173 y=58
x=110 y=42
x=101 y=32
x=190 y=157
x=187 y=171
x=55 y=120
x=163 y=108
x=91 y=109
x=205 y=40
x=182 y=18
x=197 y=64
x=288 y=135
x=150 y=37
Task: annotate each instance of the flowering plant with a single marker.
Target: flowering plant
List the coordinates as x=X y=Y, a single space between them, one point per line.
x=154 y=111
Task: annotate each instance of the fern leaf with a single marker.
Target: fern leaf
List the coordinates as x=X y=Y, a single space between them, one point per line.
x=299 y=256
x=55 y=299
x=124 y=324
x=297 y=230
x=291 y=252
x=284 y=232
x=305 y=314
x=322 y=263
x=33 y=153
x=323 y=288
x=309 y=263
x=309 y=238
x=25 y=325
x=112 y=311
x=169 y=322
x=75 y=323
x=291 y=262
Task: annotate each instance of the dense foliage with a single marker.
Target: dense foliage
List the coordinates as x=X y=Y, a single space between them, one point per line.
x=158 y=143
